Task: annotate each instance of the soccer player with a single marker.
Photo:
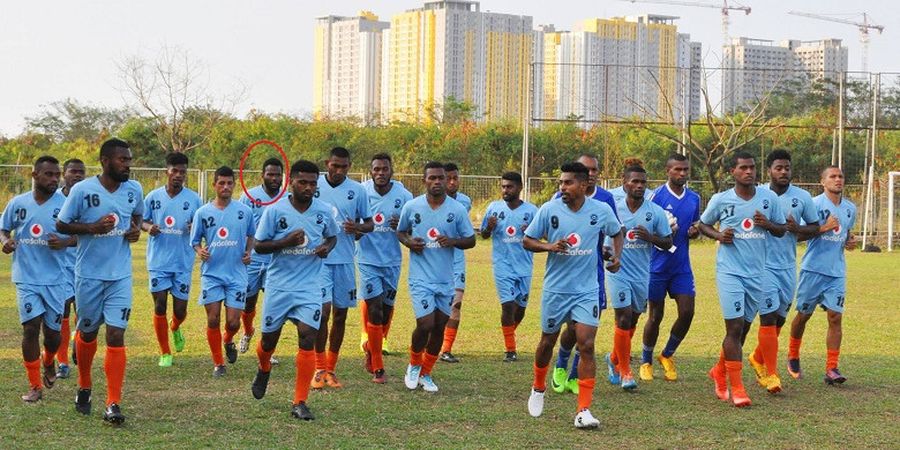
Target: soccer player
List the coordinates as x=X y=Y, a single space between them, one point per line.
x=823 y=273
x=747 y=216
x=569 y=228
x=505 y=222
x=379 y=259
x=106 y=213
x=28 y=231
x=227 y=227
x=73 y=172
x=168 y=212
x=647 y=227
x=459 y=269
x=298 y=232
x=563 y=379
x=350 y=207
x=431 y=226
x=670 y=270
x=781 y=265
x=262 y=196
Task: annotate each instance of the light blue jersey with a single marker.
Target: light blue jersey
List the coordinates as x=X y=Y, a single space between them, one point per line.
x=381 y=247
x=510 y=259
x=349 y=202
x=746 y=257
x=825 y=252
x=256 y=205
x=225 y=232
x=459 y=257
x=171 y=250
x=797 y=203
x=296 y=268
x=574 y=271
x=106 y=256
x=70 y=251
x=31 y=225
x=636 y=252
x=434 y=267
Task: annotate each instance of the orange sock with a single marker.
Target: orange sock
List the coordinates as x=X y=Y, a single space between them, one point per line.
x=331 y=359
x=114 y=366
x=585 y=392
x=176 y=322
x=622 y=348
x=768 y=342
x=794 y=348
x=33 y=370
x=320 y=361
x=720 y=365
x=428 y=361
x=247 y=319
x=375 y=339
x=162 y=333
x=62 y=353
x=415 y=358
x=85 y=352
x=387 y=325
x=265 y=358
x=305 y=363
x=449 y=338
x=734 y=369
x=47 y=357
x=540 y=377
x=509 y=337
x=214 y=338
x=831 y=359
x=229 y=335
x=364 y=310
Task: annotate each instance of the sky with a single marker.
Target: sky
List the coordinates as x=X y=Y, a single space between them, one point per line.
x=51 y=50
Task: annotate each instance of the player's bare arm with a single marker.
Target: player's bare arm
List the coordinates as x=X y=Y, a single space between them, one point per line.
x=618 y=241
x=414 y=244
x=150 y=228
x=248 y=250
x=293 y=239
x=325 y=248
x=134 y=232
x=102 y=226
x=9 y=245
x=775 y=229
x=726 y=236
x=663 y=242
x=538 y=246
x=489 y=229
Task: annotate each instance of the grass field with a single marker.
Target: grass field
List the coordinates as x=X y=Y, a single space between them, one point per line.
x=482 y=400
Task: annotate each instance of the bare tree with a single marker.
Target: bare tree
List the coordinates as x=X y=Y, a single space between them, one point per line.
x=173 y=91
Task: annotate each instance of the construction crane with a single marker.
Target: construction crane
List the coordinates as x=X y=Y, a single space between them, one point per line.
x=724 y=7
x=863 y=27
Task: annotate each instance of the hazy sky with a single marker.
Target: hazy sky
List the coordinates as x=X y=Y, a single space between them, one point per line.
x=54 y=49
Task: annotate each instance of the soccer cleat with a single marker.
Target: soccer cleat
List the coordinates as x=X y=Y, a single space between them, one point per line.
x=558 y=380
x=379 y=377
x=718 y=377
x=165 y=360
x=33 y=395
x=427 y=383
x=83 y=401
x=668 y=364
x=63 y=371
x=628 y=383
x=759 y=368
x=613 y=373
x=260 y=384
x=178 y=340
x=113 y=415
x=245 y=342
x=511 y=357
x=646 y=372
x=273 y=361
x=384 y=348
x=740 y=398
x=49 y=377
x=536 y=403
x=318 y=381
x=793 y=368
x=302 y=412
x=219 y=371
x=332 y=381
x=772 y=383
x=572 y=385
x=368 y=359
x=585 y=420
x=231 y=352
x=833 y=376
x=411 y=380
x=448 y=357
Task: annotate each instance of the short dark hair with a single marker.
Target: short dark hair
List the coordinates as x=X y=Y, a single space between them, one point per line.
x=588 y=155
x=676 y=157
x=580 y=171
x=304 y=166
x=432 y=165
x=740 y=154
x=777 y=154
x=273 y=162
x=382 y=156
x=107 y=148
x=515 y=177
x=340 y=152
x=451 y=167
x=176 y=158
x=831 y=166
x=71 y=161
x=223 y=171
x=45 y=159
x=632 y=169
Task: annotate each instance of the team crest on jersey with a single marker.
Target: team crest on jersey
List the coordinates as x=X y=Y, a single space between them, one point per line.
x=594 y=219
x=848 y=213
x=574 y=240
x=185 y=206
x=433 y=233
x=131 y=197
x=510 y=230
x=378 y=219
x=28 y=308
x=169 y=221
x=351 y=195
x=240 y=215
x=795 y=202
x=55 y=213
x=36 y=230
x=222 y=233
x=648 y=217
x=765 y=204
x=526 y=218
x=319 y=219
x=450 y=218
x=316 y=195
x=397 y=204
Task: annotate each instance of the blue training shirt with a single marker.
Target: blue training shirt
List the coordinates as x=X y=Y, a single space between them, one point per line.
x=825 y=252
x=686 y=210
x=435 y=265
x=31 y=224
x=509 y=257
x=381 y=247
x=171 y=250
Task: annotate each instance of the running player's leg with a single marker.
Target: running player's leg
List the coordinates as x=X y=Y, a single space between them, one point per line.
x=31 y=355
x=509 y=295
x=322 y=333
x=181 y=292
x=621 y=355
x=655 y=313
x=735 y=303
x=161 y=326
x=455 y=316
x=833 y=302
x=585 y=313
x=305 y=364
x=344 y=297
x=65 y=333
x=214 y=335
x=89 y=303
x=553 y=315
x=374 y=326
x=54 y=300
x=256 y=271
x=561 y=376
x=810 y=293
x=681 y=288
x=116 y=313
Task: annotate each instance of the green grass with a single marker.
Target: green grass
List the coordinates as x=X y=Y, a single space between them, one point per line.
x=482 y=400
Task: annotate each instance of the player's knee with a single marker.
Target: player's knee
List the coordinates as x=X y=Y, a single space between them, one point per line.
x=270 y=340
x=340 y=316
x=212 y=322
x=834 y=318
x=115 y=337
x=307 y=340
x=32 y=329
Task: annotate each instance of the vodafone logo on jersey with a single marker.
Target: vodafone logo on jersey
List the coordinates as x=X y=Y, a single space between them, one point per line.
x=631 y=236
x=222 y=233
x=36 y=230
x=574 y=240
x=115 y=218
x=378 y=219
x=433 y=233
x=837 y=230
x=169 y=221
x=510 y=231
x=305 y=241
x=747 y=224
